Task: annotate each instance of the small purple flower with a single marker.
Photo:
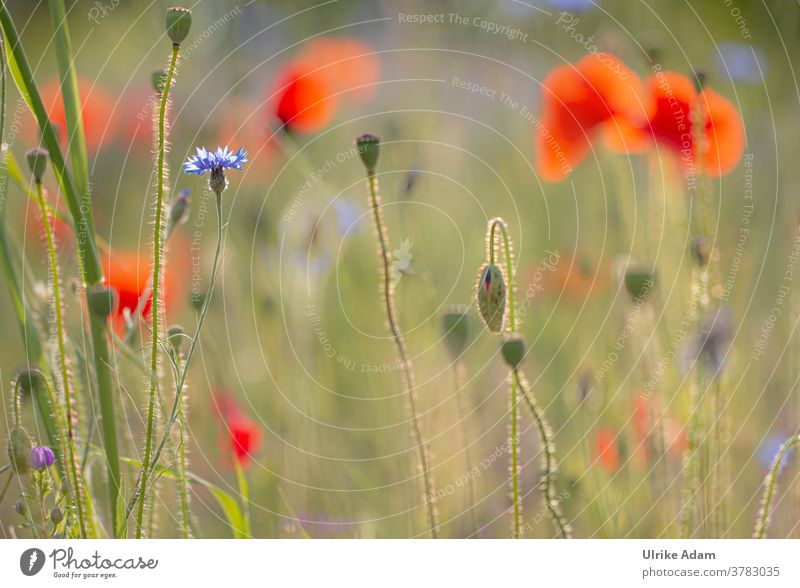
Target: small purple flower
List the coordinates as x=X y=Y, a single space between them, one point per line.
x=221 y=159
x=41 y=457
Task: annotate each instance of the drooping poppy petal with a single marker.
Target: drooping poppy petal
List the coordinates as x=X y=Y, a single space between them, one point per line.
x=576 y=101
x=671 y=125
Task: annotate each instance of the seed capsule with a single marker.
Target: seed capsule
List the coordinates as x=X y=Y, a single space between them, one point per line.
x=179 y=22
x=640 y=283
x=513 y=350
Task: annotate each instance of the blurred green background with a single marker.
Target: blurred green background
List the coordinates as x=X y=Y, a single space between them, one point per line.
x=297 y=333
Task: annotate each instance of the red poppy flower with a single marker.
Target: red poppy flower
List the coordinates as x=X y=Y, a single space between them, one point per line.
x=128 y=273
x=606 y=449
x=348 y=65
x=675 y=97
x=302 y=99
x=576 y=101
x=243 y=435
x=97 y=106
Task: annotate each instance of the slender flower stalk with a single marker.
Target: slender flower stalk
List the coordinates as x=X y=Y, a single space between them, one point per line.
x=216 y=163
x=158 y=250
x=495 y=225
x=176 y=339
x=38 y=162
x=549 y=464
x=368 y=148
x=771 y=486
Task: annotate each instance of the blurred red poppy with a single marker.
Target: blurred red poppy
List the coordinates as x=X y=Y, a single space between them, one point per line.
x=97 y=105
x=675 y=97
x=302 y=99
x=128 y=272
x=243 y=435
x=606 y=449
x=576 y=276
x=576 y=101
x=348 y=65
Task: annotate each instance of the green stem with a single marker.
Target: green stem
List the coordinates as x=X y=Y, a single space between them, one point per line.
x=156 y=306
x=182 y=379
x=55 y=285
x=549 y=459
x=411 y=392
x=183 y=483
x=512 y=325
x=770 y=486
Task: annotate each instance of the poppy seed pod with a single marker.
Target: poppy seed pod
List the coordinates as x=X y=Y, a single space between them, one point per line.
x=639 y=282
x=37 y=161
x=369 y=149
x=457 y=329
x=492 y=297
x=179 y=22
x=513 y=350
x=102 y=300
x=19 y=448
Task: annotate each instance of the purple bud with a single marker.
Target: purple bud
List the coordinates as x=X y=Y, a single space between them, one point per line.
x=41 y=457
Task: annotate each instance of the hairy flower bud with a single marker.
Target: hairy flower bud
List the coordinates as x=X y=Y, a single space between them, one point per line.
x=29 y=380
x=179 y=22
x=492 y=297
x=179 y=210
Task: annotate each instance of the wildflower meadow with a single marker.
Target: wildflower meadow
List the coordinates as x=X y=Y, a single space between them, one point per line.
x=517 y=269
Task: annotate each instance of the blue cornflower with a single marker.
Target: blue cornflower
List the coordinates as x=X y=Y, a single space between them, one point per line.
x=219 y=160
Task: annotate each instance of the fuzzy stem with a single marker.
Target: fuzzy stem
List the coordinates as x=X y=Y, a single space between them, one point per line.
x=459 y=375
x=183 y=373
x=62 y=357
x=157 y=253
x=183 y=484
x=548 y=460
x=770 y=486
x=419 y=440
x=512 y=325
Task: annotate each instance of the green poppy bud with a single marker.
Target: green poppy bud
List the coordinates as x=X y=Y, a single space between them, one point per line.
x=179 y=22
x=513 y=349
x=37 y=161
x=639 y=282
x=102 y=300
x=369 y=148
x=492 y=297
x=19 y=447
x=457 y=328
